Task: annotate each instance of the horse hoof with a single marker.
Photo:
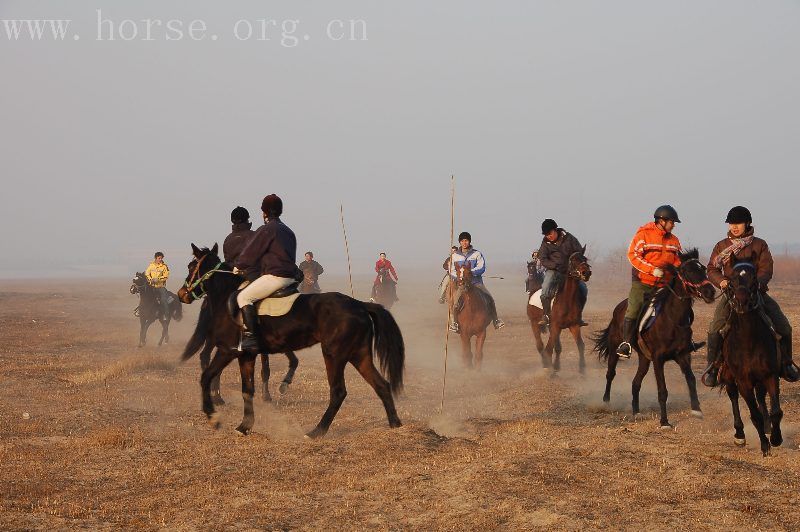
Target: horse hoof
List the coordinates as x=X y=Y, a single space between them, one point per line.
x=739 y=442
x=241 y=431
x=284 y=388
x=666 y=427
x=214 y=421
x=315 y=434
x=395 y=424
x=217 y=400
x=776 y=440
x=696 y=413
x=266 y=397
x=606 y=399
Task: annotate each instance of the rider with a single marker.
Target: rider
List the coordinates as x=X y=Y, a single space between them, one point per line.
x=241 y=233
x=382 y=264
x=652 y=248
x=272 y=249
x=742 y=243
x=157 y=273
x=557 y=246
x=477 y=264
x=446 y=279
x=536 y=271
x=314 y=270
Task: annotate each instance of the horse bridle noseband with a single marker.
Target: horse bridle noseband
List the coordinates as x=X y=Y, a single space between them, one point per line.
x=191 y=284
x=754 y=299
x=692 y=289
x=575 y=272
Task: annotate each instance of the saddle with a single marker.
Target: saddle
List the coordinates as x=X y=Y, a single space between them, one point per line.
x=651 y=309
x=459 y=306
x=536 y=299
x=279 y=303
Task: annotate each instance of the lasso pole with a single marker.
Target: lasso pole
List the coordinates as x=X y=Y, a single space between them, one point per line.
x=347 y=251
x=449 y=288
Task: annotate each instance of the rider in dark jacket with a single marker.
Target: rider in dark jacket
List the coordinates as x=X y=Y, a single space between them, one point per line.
x=557 y=246
x=240 y=235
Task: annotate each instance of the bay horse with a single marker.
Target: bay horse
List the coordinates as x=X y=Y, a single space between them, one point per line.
x=385 y=289
x=565 y=313
x=473 y=318
x=150 y=310
x=668 y=338
x=751 y=357
x=346 y=328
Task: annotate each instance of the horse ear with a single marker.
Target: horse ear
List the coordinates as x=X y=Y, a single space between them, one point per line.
x=215 y=249
x=583 y=251
x=195 y=250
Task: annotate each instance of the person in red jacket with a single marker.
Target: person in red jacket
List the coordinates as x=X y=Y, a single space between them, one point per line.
x=652 y=248
x=382 y=264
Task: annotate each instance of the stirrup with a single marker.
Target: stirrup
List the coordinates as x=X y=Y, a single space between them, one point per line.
x=545 y=320
x=623 y=354
x=453 y=327
x=499 y=324
x=712 y=369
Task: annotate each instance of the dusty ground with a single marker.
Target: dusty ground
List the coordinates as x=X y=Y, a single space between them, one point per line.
x=115 y=437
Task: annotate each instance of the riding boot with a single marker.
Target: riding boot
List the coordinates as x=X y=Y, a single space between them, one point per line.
x=497 y=322
x=713 y=351
x=628 y=328
x=546 y=311
x=788 y=368
x=251 y=338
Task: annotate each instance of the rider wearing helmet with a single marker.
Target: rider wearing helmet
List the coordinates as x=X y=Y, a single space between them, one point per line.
x=470 y=255
x=652 y=248
x=240 y=235
x=741 y=243
x=554 y=253
x=272 y=249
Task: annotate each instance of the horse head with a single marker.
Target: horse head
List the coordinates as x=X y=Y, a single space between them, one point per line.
x=578 y=265
x=692 y=273
x=464 y=275
x=204 y=263
x=743 y=286
x=138 y=283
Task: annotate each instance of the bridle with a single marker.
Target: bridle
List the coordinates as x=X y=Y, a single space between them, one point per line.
x=196 y=280
x=692 y=289
x=753 y=301
x=573 y=271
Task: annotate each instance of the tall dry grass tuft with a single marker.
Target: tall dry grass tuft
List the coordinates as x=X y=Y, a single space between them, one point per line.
x=787 y=268
x=124 y=366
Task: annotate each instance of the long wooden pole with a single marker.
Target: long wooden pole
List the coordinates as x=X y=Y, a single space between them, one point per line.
x=347 y=250
x=449 y=287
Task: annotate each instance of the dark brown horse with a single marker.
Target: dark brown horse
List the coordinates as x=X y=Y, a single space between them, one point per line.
x=566 y=313
x=150 y=310
x=346 y=328
x=668 y=338
x=751 y=359
x=473 y=318
x=385 y=289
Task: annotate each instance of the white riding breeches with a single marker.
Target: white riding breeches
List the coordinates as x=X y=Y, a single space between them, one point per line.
x=262 y=287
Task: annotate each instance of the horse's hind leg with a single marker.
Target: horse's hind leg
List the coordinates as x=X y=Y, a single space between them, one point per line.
x=143 y=326
x=755 y=416
x=367 y=369
x=636 y=385
x=611 y=372
x=265 y=372
x=164 y=332
x=221 y=359
x=479 y=341
x=738 y=424
x=661 y=381
x=685 y=363
x=287 y=380
x=576 y=333
x=247 y=365
x=205 y=361
x=776 y=414
x=334 y=366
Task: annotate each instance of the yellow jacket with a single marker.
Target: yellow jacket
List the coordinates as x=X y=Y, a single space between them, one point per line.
x=157 y=274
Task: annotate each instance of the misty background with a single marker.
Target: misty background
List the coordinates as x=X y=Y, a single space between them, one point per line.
x=592 y=113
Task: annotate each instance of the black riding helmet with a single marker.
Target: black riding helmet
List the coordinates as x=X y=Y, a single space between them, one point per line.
x=239 y=215
x=549 y=225
x=667 y=213
x=739 y=215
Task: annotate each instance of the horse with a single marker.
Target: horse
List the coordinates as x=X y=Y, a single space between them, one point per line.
x=565 y=314
x=385 y=289
x=668 y=338
x=346 y=328
x=751 y=357
x=473 y=318
x=150 y=310
x=309 y=283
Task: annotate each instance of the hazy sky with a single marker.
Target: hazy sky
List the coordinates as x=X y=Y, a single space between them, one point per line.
x=592 y=113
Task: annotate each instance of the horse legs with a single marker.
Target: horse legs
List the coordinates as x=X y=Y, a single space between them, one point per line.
x=479 y=340
x=537 y=337
x=335 y=370
x=611 y=372
x=164 y=332
x=205 y=361
x=738 y=424
x=576 y=333
x=265 y=372
x=661 y=382
x=367 y=369
x=287 y=380
x=755 y=416
x=221 y=359
x=636 y=385
x=553 y=344
x=685 y=363
x=144 y=325
x=761 y=399
x=776 y=414
x=247 y=365
x=557 y=360
x=466 y=350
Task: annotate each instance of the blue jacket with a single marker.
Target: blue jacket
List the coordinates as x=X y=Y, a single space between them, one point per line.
x=475 y=260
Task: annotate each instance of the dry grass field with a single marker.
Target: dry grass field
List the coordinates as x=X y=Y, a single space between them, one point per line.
x=114 y=437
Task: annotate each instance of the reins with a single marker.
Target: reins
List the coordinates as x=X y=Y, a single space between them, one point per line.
x=191 y=284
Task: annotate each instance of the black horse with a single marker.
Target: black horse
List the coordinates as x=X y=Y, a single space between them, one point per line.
x=346 y=328
x=150 y=310
x=751 y=359
x=385 y=289
x=668 y=338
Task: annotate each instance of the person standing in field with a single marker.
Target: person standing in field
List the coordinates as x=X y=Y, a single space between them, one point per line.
x=311 y=271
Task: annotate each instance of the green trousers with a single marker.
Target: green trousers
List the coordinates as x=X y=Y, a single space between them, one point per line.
x=639 y=291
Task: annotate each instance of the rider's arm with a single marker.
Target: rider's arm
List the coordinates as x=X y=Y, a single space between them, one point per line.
x=715 y=274
x=480 y=265
x=391 y=269
x=150 y=271
x=764 y=267
x=320 y=269
x=544 y=257
x=636 y=254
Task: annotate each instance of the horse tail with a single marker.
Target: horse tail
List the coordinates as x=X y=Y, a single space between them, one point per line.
x=601 y=344
x=200 y=334
x=388 y=345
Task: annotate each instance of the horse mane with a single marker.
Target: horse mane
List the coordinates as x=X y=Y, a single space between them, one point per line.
x=689 y=254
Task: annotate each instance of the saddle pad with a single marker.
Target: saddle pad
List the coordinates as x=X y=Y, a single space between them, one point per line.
x=536 y=299
x=647 y=318
x=276 y=306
